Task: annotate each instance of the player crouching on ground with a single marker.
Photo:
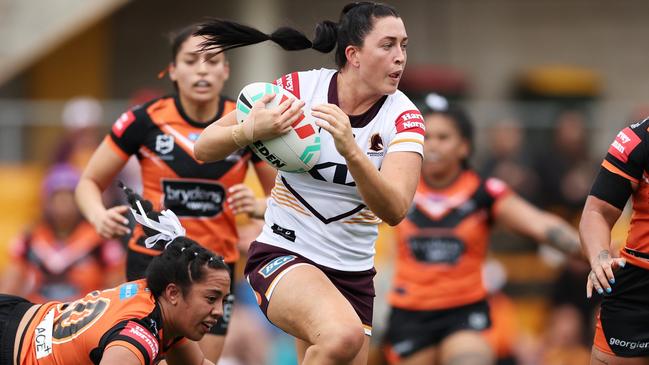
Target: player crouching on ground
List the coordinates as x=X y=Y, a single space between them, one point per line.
x=138 y=322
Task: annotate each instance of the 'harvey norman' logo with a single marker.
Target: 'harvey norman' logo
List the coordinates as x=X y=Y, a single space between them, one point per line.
x=625 y=142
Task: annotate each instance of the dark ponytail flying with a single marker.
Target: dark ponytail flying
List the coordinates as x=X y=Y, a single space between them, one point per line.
x=356 y=21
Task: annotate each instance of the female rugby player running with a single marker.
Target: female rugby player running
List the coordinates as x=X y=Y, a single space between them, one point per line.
x=312 y=266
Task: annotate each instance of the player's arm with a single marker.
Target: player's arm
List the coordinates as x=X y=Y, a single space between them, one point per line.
x=187 y=352
x=102 y=168
x=119 y=355
x=389 y=192
x=517 y=214
x=603 y=207
x=618 y=178
x=225 y=136
x=129 y=342
x=215 y=142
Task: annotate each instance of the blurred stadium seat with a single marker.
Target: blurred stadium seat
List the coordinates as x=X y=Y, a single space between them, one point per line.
x=20 y=197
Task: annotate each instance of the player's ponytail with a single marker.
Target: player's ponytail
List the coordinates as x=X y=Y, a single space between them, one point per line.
x=183 y=261
x=326 y=36
x=356 y=21
x=222 y=35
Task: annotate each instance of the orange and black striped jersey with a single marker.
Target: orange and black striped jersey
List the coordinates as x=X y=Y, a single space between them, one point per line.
x=162 y=136
x=63 y=270
x=79 y=332
x=443 y=242
x=628 y=157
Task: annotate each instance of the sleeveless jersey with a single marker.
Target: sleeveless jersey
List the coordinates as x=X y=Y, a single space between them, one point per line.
x=628 y=156
x=162 y=136
x=80 y=331
x=443 y=242
x=65 y=270
x=320 y=214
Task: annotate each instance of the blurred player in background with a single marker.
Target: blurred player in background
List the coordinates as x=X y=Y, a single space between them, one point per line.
x=161 y=133
x=61 y=257
x=439 y=302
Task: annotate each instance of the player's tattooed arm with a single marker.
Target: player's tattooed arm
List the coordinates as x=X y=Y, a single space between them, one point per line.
x=564 y=238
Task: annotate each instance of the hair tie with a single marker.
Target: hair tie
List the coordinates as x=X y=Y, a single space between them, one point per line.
x=183 y=249
x=168 y=226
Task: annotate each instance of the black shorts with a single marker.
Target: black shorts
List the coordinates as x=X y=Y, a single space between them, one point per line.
x=623 y=323
x=267 y=264
x=411 y=331
x=136 y=264
x=12 y=309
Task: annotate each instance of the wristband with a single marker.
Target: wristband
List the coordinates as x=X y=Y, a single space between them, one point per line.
x=239 y=137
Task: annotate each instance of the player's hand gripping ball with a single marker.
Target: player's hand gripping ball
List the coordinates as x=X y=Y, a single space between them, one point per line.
x=296 y=151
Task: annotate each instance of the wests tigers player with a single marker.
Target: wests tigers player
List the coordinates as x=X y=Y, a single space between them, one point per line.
x=438 y=300
x=622 y=331
x=137 y=323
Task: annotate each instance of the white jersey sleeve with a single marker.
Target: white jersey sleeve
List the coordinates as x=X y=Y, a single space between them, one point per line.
x=409 y=128
x=320 y=214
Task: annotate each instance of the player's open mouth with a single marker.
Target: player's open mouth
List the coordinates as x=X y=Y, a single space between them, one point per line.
x=202 y=84
x=395 y=75
x=207 y=325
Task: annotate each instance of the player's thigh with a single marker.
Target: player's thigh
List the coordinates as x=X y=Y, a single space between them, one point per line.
x=465 y=347
x=306 y=304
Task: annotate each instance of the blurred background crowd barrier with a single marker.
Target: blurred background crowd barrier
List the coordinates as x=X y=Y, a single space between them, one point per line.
x=547 y=83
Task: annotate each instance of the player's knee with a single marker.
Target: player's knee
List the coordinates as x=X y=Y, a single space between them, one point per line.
x=344 y=343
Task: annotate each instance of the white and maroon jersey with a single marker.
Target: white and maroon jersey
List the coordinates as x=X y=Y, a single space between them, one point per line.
x=320 y=214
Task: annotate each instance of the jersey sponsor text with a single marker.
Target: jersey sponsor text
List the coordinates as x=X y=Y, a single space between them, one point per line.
x=625 y=142
x=143 y=336
x=193 y=198
x=122 y=123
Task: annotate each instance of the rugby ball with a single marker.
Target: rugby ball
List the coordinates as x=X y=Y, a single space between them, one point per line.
x=296 y=151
